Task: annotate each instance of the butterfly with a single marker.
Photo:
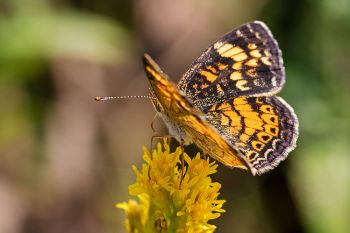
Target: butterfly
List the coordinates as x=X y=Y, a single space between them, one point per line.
x=226 y=104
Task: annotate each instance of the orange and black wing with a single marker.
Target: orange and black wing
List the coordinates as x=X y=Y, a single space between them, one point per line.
x=245 y=62
x=263 y=129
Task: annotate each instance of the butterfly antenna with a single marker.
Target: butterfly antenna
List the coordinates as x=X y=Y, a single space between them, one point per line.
x=99 y=98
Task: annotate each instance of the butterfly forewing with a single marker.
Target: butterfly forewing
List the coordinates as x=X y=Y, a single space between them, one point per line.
x=245 y=62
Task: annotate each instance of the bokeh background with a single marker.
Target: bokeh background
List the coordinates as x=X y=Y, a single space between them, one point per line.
x=65 y=160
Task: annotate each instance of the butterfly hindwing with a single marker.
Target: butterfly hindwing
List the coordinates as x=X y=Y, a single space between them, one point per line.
x=263 y=129
x=245 y=62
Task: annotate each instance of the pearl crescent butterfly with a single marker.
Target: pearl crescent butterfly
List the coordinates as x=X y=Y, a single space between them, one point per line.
x=226 y=104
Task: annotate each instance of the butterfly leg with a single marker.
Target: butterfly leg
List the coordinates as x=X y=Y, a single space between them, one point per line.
x=152 y=123
x=155 y=133
x=182 y=157
x=205 y=156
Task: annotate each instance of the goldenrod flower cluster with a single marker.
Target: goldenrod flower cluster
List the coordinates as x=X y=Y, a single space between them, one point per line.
x=172 y=199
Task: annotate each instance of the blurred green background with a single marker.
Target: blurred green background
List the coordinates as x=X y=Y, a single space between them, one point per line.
x=65 y=160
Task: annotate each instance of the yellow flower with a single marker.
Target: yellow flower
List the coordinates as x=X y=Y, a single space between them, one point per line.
x=136 y=212
x=172 y=200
